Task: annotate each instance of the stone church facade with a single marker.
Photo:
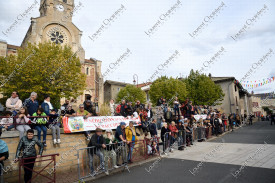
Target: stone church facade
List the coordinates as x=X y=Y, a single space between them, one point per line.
x=55 y=25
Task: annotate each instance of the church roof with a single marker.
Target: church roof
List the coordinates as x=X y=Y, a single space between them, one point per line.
x=116 y=83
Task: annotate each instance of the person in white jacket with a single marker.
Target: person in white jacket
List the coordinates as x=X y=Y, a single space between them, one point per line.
x=13 y=103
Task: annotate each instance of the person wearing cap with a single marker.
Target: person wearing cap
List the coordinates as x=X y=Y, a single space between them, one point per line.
x=32 y=104
x=120 y=135
x=82 y=112
x=131 y=137
x=110 y=151
x=95 y=147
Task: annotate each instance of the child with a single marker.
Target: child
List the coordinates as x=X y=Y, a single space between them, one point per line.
x=7 y=123
x=54 y=126
x=41 y=125
x=22 y=121
x=154 y=147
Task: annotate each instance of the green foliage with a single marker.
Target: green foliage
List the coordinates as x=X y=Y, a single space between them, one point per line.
x=45 y=68
x=267 y=110
x=105 y=109
x=168 y=88
x=131 y=93
x=202 y=90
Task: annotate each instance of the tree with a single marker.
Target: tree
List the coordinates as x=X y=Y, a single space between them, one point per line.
x=131 y=93
x=45 y=68
x=202 y=90
x=168 y=88
x=267 y=110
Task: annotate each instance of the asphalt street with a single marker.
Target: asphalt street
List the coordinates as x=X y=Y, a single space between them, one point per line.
x=225 y=165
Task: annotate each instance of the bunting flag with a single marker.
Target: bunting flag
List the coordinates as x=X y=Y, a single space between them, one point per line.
x=255 y=83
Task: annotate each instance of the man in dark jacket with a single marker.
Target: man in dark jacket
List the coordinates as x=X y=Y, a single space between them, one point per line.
x=272 y=118
x=26 y=149
x=139 y=106
x=216 y=125
x=96 y=146
x=168 y=115
x=153 y=128
x=32 y=104
x=129 y=109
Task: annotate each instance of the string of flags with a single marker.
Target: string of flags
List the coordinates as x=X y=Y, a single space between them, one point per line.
x=255 y=84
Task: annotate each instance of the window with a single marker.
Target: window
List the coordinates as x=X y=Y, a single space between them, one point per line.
x=87 y=71
x=64 y=1
x=236 y=101
x=235 y=88
x=118 y=89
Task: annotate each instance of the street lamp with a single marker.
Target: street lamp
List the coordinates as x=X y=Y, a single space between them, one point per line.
x=135 y=75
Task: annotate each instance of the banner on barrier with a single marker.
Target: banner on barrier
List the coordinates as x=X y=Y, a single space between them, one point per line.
x=79 y=124
x=197 y=117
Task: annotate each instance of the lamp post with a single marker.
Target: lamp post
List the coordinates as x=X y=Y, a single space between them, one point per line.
x=134 y=81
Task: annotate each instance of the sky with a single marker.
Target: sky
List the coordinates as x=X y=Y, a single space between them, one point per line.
x=168 y=37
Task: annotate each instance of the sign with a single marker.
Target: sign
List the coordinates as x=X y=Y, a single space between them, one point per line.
x=197 y=117
x=79 y=124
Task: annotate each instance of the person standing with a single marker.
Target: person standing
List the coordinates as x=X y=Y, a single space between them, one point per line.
x=26 y=149
x=131 y=137
x=177 y=107
x=13 y=103
x=149 y=112
x=96 y=146
x=250 y=119
x=32 y=104
x=112 y=107
x=110 y=151
x=165 y=136
x=230 y=121
x=121 y=137
x=168 y=115
x=272 y=118
x=153 y=129
x=216 y=123
x=159 y=117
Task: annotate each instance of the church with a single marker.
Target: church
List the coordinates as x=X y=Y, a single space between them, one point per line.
x=55 y=24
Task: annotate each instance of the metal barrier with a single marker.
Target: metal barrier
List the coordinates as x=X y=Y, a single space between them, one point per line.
x=151 y=147
x=199 y=134
x=52 y=159
x=30 y=117
x=2 y=176
x=93 y=161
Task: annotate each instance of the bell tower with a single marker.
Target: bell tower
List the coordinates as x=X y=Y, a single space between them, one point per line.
x=57 y=8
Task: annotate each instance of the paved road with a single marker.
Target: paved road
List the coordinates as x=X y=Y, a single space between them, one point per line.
x=246 y=155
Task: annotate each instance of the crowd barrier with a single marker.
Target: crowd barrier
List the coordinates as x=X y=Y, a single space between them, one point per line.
x=2 y=176
x=100 y=160
x=180 y=139
x=50 y=177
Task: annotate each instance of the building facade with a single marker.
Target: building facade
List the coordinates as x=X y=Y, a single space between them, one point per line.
x=111 y=89
x=55 y=25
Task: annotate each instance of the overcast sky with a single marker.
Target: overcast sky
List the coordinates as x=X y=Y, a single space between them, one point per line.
x=131 y=27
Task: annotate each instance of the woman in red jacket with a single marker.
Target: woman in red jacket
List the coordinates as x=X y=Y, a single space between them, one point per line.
x=174 y=131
